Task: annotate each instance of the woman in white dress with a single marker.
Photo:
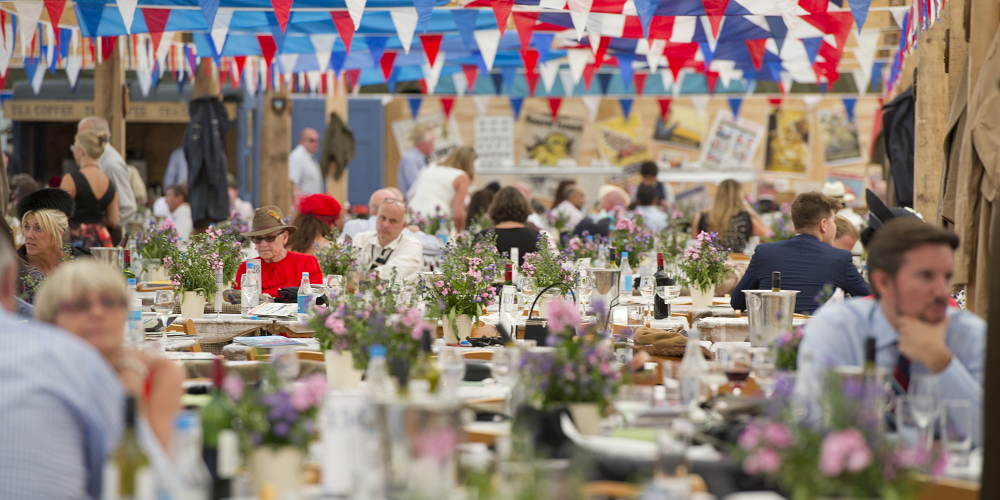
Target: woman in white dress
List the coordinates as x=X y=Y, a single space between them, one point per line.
x=443 y=187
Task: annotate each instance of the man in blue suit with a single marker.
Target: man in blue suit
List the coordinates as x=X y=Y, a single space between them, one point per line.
x=806 y=262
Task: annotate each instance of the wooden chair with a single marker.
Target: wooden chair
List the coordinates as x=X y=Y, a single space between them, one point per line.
x=188 y=328
x=482 y=355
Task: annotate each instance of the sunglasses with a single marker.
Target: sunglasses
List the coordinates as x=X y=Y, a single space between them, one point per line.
x=397 y=202
x=269 y=238
x=85 y=305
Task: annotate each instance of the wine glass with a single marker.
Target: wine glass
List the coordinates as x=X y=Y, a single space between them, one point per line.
x=737 y=368
x=528 y=291
x=922 y=391
x=163 y=305
x=504 y=369
x=647 y=287
x=764 y=367
x=285 y=360
x=585 y=287
x=669 y=292
x=451 y=363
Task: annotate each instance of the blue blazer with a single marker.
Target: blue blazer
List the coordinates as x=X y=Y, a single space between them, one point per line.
x=806 y=264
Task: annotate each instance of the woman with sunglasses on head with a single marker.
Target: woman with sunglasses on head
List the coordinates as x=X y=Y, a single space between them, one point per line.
x=83 y=298
x=280 y=268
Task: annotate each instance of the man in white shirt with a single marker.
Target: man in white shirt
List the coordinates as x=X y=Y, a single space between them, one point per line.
x=388 y=248
x=180 y=210
x=430 y=243
x=113 y=166
x=302 y=167
x=414 y=160
x=177 y=168
x=572 y=206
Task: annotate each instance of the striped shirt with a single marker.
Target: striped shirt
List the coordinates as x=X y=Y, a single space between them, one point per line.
x=61 y=413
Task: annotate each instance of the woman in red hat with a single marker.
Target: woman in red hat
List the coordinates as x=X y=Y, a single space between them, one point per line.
x=318 y=215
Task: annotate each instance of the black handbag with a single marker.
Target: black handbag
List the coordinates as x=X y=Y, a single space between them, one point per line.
x=290 y=295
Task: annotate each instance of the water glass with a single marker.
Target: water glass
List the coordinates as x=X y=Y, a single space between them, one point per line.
x=504 y=366
x=636 y=315
x=528 y=291
x=647 y=288
x=670 y=382
x=764 y=368
x=451 y=363
x=956 y=431
x=285 y=360
x=163 y=305
x=585 y=287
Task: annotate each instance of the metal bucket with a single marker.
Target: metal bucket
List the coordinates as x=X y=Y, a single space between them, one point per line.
x=108 y=255
x=605 y=285
x=770 y=314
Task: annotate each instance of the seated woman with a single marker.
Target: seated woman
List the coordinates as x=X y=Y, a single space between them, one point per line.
x=279 y=267
x=94 y=193
x=44 y=218
x=318 y=215
x=509 y=212
x=730 y=216
x=83 y=298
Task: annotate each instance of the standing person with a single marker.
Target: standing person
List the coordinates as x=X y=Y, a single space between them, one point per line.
x=444 y=187
x=415 y=159
x=95 y=194
x=664 y=194
x=731 y=217
x=389 y=247
x=180 y=210
x=114 y=167
x=177 y=169
x=302 y=167
x=318 y=216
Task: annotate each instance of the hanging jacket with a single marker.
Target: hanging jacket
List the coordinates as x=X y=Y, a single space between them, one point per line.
x=338 y=147
x=897 y=124
x=206 y=157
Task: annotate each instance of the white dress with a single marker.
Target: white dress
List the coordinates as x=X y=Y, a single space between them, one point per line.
x=434 y=188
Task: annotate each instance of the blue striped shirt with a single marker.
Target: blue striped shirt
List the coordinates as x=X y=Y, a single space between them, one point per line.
x=61 y=413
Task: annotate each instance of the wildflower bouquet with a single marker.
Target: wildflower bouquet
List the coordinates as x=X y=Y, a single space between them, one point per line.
x=582 y=248
x=433 y=223
x=704 y=264
x=781 y=224
x=786 y=349
x=546 y=266
x=557 y=220
x=156 y=241
x=581 y=370
x=276 y=413
x=235 y=227
x=338 y=258
x=629 y=235
x=674 y=238
x=481 y=222
x=470 y=266
x=194 y=269
x=225 y=244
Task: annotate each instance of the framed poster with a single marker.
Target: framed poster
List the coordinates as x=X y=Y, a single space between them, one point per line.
x=731 y=143
x=494 y=140
x=854 y=185
x=839 y=137
x=446 y=136
x=547 y=141
x=787 y=142
x=684 y=128
x=619 y=142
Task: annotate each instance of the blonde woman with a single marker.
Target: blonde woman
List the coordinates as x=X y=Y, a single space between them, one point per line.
x=94 y=193
x=443 y=187
x=730 y=216
x=44 y=218
x=87 y=300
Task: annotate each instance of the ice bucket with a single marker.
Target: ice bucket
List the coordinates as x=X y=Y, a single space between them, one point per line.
x=770 y=314
x=605 y=285
x=108 y=255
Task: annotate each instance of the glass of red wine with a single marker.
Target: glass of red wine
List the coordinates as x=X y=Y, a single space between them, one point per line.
x=737 y=368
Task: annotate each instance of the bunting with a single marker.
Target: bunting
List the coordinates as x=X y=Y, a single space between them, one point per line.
x=415 y=103
x=554 y=103
x=515 y=106
x=626 y=105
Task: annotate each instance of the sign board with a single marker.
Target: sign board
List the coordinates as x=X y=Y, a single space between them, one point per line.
x=32 y=110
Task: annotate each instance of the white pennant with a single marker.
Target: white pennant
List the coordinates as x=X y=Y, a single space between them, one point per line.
x=356 y=8
x=655 y=54
x=144 y=68
x=811 y=101
x=488 y=42
x=578 y=59
x=789 y=12
x=127 y=10
x=164 y=50
x=323 y=45
x=288 y=63
x=36 y=83
x=482 y=103
x=865 y=53
x=50 y=48
x=592 y=102
x=405 y=21
x=220 y=28
x=568 y=82
x=461 y=84
x=898 y=13
x=313 y=77
x=7 y=48
x=549 y=71
x=250 y=75
x=699 y=103
x=594 y=31
x=861 y=79
x=579 y=12
x=433 y=73
x=28 y=14
x=786 y=81
x=74 y=65
x=667 y=78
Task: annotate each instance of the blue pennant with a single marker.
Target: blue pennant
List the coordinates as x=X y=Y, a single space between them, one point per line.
x=849 y=107
x=515 y=106
x=481 y=64
x=65 y=39
x=778 y=30
x=859 y=9
x=376 y=47
x=707 y=53
x=424 y=10
x=465 y=20
x=625 y=68
x=877 y=73
x=279 y=37
x=91 y=13
x=31 y=67
x=181 y=82
x=415 y=103
x=812 y=48
x=337 y=62
x=645 y=9
x=734 y=106
x=497 y=82
x=155 y=76
x=209 y=8
x=507 y=73
x=823 y=87
x=211 y=48
x=774 y=71
x=542 y=43
x=626 y=106
x=391 y=82
x=604 y=80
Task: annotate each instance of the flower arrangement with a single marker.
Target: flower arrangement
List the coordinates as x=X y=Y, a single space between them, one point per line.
x=470 y=266
x=583 y=248
x=581 y=370
x=338 y=257
x=781 y=223
x=557 y=220
x=629 y=235
x=194 y=269
x=156 y=241
x=786 y=349
x=481 y=222
x=235 y=227
x=433 y=223
x=276 y=413
x=547 y=267
x=704 y=264
x=226 y=245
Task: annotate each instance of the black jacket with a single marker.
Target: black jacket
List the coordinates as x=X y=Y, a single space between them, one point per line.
x=897 y=126
x=206 y=157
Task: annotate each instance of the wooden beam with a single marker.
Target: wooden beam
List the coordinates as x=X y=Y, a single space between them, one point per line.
x=111 y=96
x=957 y=47
x=984 y=17
x=276 y=144
x=931 y=118
x=336 y=101
x=206 y=79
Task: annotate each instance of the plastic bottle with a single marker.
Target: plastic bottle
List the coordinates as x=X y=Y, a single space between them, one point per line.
x=305 y=294
x=691 y=369
x=377 y=380
x=625 y=283
x=136 y=333
x=249 y=290
x=194 y=482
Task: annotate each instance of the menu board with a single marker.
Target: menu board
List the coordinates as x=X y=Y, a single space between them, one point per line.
x=494 y=140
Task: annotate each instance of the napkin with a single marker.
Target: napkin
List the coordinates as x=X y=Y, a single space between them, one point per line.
x=646 y=335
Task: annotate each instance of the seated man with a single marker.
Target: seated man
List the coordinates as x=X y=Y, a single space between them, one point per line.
x=910 y=265
x=847 y=235
x=388 y=247
x=611 y=197
x=652 y=216
x=430 y=243
x=280 y=268
x=806 y=262
x=572 y=206
x=61 y=406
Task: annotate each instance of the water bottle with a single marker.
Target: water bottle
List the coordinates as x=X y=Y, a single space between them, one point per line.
x=377 y=380
x=602 y=257
x=625 y=285
x=136 y=333
x=193 y=481
x=249 y=290
x=305 y=295
x=442 y=234
x=691 y=369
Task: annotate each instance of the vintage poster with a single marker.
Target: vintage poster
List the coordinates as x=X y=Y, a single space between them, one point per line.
x=619 y=142
x=731 y=144
x=854 y=186
x=547 y=142
x=668 y=159
x=495 y=140
x=684 y=128
x=446 y=136
x=787 y=142
x=839 y=136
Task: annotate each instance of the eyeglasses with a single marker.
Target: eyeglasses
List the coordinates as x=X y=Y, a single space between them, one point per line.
x=85 y=305
x=401 y=203
x=269 y=238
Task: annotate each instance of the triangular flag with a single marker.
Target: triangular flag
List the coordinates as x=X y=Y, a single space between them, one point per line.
x=530 y=59
x=55 y=8
x=497 y=82
x=91 y=13
x=74 y=65
x=405 y=21
x=156 y=22
x=532 y=80
x=431 y=45
x=604 y=79
x=715 y=9
x=323 y=47
x=356 y=8
x=812 y=48
x=415 y=103
x=31 y=68
x=549 y=71
x=756 y=49
x=579 y=12
x=507 y=74
x=646 y=9
x=482 y=103
x=220 y=28
x=640 y=83
x=707 y=53
x=433 y=73
x=711 y=78
x=345 y=27
x=592 y=103
x=568 y=84
x=778 y=30
x=775 y=101
x=734 y=106
x=337 y=60
x=424 y=9
x=210 y=8
x=28 y=14
x=578 y=59
x=525 y=24
x=488 y=42
x=859 y=9
x=471 y=71
x=352 y=77
x=267 y=48
x=588 y=75
x=515 y=106
x=554 y=103
x=543 y=43
x=624 y=60
x=127 y=9
x=501 y=9
x=282 y=10
x=849 y=107
x=461 y=85
x=699 y=103
x=376 y=47
x=655 y=54
x=626 y=105
x=388 y=59
x=664 y=109
x=446 y=103
x=465 y=21
x=288 y=63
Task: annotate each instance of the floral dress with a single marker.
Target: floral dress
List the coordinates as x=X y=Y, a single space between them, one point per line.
x=30 y=278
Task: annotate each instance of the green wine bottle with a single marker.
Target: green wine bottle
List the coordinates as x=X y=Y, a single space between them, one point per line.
x=127 y=269
x=126 y=473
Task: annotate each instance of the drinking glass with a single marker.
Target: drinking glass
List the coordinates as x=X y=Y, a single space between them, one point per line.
x=714 y=377
x=451 y=363
x=585 y=287
x=669 y=292
x=528 y=291
x=956 y=431
x=504 y=366
x=163 y=305
x=636 y=315
x=285 y=360
x=737 y=368
x=764 y=367
x=670 y=382
x=335 y=283
x=633 y=400
x=922 y=391
x=647 y=287
x=670 y=472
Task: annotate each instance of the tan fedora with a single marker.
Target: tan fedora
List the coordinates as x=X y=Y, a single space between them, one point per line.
x=267 y=220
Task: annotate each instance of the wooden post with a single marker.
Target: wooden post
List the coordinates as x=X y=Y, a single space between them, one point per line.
x=984 y=16
x=336 y=101
x=111 y=96
x=957 y=47
x=206 y=79
x=275 y=146
x=931 y=119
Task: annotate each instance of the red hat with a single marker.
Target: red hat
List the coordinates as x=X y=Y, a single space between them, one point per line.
x=320 y=204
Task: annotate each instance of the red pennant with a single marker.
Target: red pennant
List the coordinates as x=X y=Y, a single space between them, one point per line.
x=554 y=103
x=525 y=23
x=711 y=77
x=676 y=63
x=501 y=9
x=55 y=8
x=446 y=103
x=756 y=48
x=662 y=27
x=240 y=61
x=423 y=86
x=588 y=75
x=388 y=59
x=345 y=27
x=352 y=77
x=471 y=71
x=530 y=58
x=431 y=44
x=639 y=79
x=715 y=9
x=267 y=48
x=664 y=109
x=602 y=48
x=837 y=24
x=775 y=101
x=282 y=10
x=107 y=45
x=3 y=79
x=532 y=80
x=814 y=6
x=156 y=22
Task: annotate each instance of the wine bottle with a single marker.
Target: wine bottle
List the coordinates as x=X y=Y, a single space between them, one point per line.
x=612 y=264
x=661 y=309
x=127 y=269
x=423 y=368
x=776 y=281
x=869 y=354
x=126 y=474
x=220 y=443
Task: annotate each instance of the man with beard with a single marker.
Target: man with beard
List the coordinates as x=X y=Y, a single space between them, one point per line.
x=910 y=264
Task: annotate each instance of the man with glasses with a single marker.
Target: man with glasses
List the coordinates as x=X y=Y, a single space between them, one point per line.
x=431 y=243
x=302 y=167
x=388 y=247
x=279 y=267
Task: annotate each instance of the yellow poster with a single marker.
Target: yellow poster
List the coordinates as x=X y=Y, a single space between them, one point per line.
x=788 y=142
x=619 y=142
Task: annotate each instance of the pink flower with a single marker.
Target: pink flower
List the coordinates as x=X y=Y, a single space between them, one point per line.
x=317 y=386
x=911 y=458
x=418 y=330
x=411 y=317
x=301 y=398
x=336 y=325
x=845 y=450
x=762 y=461
x=777 y=435
x=750 y=437
x=232 y=384
x=563 y=314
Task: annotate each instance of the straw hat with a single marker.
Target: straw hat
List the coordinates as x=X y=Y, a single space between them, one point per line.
x=267 y=220
x=836 y=189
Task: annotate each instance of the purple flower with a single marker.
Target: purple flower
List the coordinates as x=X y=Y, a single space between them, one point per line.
x=232 y=384
x=280 y=429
